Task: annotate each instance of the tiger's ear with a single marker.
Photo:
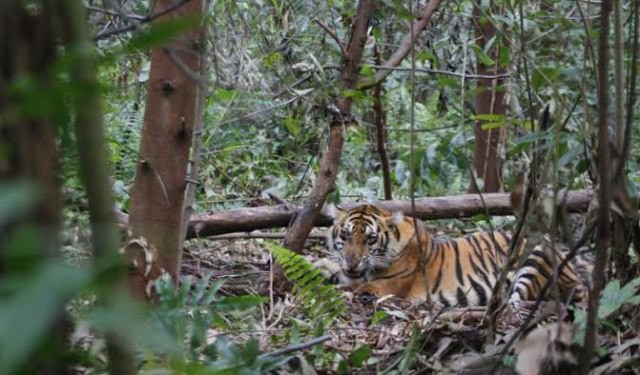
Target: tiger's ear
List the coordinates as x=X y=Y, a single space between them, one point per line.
x=396 y=219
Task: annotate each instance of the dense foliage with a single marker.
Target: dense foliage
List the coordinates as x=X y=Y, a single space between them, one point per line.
x=271 y=84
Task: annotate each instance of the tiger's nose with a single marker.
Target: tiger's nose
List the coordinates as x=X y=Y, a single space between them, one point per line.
x=355 y=268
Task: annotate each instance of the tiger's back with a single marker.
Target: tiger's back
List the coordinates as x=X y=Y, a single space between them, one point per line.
x=463 y=271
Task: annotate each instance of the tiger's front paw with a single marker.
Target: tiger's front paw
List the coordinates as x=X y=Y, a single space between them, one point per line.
x=334 y=273
x=330 y=270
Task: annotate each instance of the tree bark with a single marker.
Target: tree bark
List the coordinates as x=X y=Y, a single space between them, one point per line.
x=487 y=158
x=160 y=182
x=94 y=167
x=249 y=219
x=603 y=239
x=28 y=48
x=379 y=119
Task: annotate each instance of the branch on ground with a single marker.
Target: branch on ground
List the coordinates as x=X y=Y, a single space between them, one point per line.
x=266 y=217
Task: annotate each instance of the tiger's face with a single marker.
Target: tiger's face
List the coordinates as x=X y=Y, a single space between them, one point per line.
x=366 y=239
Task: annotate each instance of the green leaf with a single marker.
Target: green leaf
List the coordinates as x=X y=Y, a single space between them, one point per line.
x=504 y=56
x=367 y=71
x=224 y=95
x=569 y=156
x=26 y=316
x=322 y=302
x=360 y=355
x=482 y=56
x=613 y=297
x=293 y=125
x=378 y=316
x=492 y=125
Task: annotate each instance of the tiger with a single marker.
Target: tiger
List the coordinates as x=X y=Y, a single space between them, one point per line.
x=379 y=252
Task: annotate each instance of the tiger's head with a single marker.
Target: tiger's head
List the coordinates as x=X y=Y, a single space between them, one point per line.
x=367 y=238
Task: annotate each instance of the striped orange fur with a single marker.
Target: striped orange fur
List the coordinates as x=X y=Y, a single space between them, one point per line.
x=383 y=253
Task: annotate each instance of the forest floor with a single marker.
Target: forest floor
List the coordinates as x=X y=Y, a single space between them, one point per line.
x=394 y=334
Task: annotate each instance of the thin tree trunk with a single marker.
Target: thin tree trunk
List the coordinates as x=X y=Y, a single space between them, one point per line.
x=94 y=166
x=161 y=173
x=487 y=155
x=379 y=119
x=330 y=161
x=194 y=164
x=603 y=239
x=28 y=48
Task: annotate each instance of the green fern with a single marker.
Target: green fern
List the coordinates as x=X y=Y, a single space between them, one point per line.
x=321 y=301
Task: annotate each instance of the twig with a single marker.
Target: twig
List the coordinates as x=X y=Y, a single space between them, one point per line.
x=258 y=234
x=296 y=347
x=332 y=33
x=133 y=26
x=443 y=72
x=259 y=111
x=114 y=13
x=405 y=46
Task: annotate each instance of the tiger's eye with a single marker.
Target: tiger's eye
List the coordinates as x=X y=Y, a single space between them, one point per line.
x=372 y=238
x=344 y=234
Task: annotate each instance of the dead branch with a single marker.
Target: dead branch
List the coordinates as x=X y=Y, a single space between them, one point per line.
x=333 y=34
x=249 y=219
x=137 y=24
x=296 y=347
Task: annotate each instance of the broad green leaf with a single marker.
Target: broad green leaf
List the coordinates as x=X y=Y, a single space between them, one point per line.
x=482 y=56
x=359 y=356
x=26 y=316
x=378 y=316
x=569 y=156
x=613 y=297
x=293 y=125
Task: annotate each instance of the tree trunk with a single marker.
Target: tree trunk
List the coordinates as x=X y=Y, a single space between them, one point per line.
x=160 y=182
x=489 y=143
x=330 y=161
x=28 y=48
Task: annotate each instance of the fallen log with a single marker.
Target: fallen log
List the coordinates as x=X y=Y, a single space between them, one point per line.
x=249 y=219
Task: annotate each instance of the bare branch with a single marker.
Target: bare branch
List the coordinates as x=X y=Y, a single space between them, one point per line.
x=603 y=238
x=135 y=25
x=443 y=72
x=296 y=347
x=114 y=13
x=332 y=33
x=405 y=46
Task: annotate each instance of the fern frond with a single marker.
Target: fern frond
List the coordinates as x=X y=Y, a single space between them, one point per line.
x=321 y=301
